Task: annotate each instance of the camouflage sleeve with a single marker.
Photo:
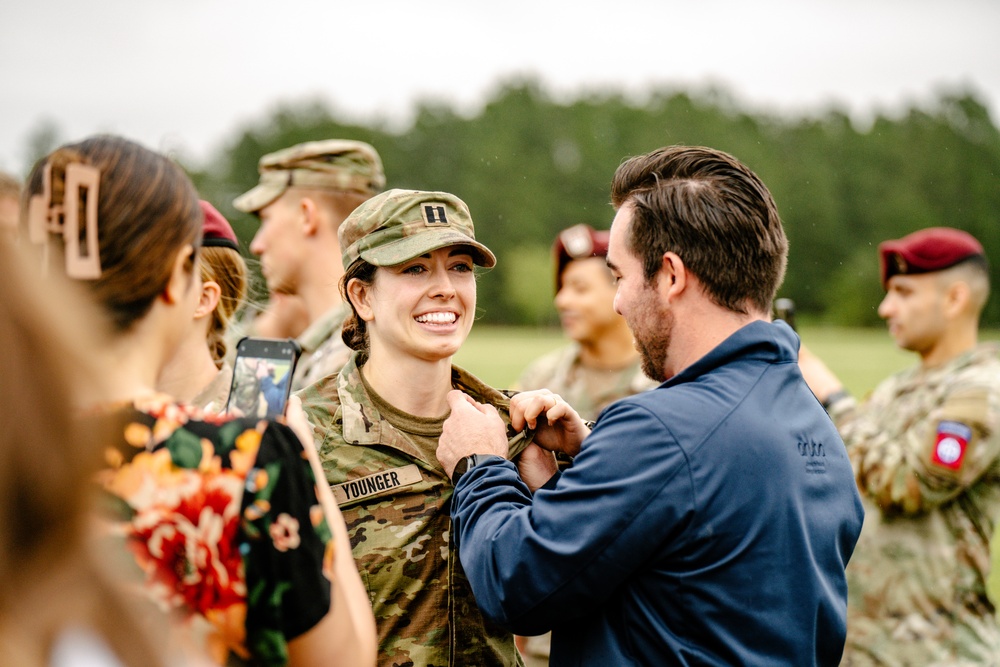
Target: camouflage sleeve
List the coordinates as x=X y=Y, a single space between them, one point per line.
x=911 y=464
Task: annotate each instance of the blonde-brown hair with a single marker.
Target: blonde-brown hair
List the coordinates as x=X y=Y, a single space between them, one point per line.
x=48 y=459
x=228 y=269
x=147 y=211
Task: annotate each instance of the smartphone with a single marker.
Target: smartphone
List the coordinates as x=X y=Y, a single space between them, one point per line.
x=262 y=376
x=784 y=309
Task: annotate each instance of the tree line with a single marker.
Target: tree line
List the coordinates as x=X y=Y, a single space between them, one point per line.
x=529 y=165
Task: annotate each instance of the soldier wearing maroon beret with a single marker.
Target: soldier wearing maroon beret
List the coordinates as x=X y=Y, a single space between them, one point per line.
x=601 y=365
x=925 y=447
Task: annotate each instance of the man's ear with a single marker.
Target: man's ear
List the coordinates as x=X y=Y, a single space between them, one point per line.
x=310 y=216
x=359 y=293
x=957 y=297
x=181 y=275
x=210 y=295
x=673 y=276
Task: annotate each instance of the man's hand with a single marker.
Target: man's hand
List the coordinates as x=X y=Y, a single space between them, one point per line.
x=817 y=375
x=536 y=466
x=558 y=427
x=471 y=428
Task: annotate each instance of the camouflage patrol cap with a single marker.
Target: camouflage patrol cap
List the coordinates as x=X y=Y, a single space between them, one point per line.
x=927 y=250
x=335 y=164
x=399 y=225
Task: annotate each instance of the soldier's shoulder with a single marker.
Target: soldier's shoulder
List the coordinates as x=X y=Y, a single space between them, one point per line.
x=984 y=368
x=540 y=372
x=321 y=399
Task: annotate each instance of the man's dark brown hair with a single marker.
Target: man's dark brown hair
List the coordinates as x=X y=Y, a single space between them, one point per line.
x=714 y=213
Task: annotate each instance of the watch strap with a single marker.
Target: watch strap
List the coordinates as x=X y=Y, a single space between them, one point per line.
x=466 y=463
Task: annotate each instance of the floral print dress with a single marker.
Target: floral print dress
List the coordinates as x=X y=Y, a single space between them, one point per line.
x=223 y=519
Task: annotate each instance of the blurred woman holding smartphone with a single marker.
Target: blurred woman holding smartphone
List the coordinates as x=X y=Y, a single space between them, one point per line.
x=409 y=258
x=225 y=526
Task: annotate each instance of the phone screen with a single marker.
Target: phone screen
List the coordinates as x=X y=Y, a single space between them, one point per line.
x=262 y=376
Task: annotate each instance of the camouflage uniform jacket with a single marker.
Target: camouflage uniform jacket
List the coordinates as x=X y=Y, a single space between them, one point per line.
x=395 y=498
x=323 y=350
x=561 y=373
x=925 y=448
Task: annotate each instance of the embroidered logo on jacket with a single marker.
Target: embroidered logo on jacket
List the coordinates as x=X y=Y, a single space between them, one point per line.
x=952 y=441
x=815 y=456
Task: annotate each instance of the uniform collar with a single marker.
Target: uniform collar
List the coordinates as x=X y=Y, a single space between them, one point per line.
x=364 y=425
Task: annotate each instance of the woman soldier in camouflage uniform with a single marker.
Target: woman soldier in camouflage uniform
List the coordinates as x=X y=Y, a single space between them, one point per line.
x=409 y=279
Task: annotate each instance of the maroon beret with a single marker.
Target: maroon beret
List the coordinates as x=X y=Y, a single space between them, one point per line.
x=217 y=231
x=578 y=242
x=931 y=249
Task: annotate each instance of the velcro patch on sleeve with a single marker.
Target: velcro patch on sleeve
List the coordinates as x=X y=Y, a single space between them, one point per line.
x=951 y=444
x=377 y=484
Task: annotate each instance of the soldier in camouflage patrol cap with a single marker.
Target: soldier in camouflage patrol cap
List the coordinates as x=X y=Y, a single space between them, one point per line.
x=925 y=447
x=304 y=194
x=409 y=257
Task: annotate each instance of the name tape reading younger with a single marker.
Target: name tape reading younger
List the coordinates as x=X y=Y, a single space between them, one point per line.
x=373 y=485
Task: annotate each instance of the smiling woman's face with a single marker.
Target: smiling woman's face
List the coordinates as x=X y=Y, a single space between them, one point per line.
x=422 y=308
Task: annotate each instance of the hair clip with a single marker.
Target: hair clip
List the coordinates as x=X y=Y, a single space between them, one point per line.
x=83 y=260
x=83 y=257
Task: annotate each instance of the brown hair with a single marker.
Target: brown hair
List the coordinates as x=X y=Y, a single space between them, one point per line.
x=226 y=267
x=48 y=459
x=714 y=213
x=147 y=211
x=355 y=330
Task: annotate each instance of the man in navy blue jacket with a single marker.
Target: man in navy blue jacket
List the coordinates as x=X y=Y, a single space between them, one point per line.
x=705 y=522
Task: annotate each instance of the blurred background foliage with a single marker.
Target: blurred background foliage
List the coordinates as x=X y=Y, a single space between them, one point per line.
x=529 y=165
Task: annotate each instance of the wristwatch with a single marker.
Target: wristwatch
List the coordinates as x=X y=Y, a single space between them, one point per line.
x=464 y=464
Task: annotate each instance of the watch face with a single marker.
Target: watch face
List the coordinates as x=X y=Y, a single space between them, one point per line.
x=460 y=469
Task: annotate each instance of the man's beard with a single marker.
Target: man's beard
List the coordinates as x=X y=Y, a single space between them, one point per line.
x=652 y=333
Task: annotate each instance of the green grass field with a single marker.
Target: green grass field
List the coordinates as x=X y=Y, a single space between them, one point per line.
x=860 y=357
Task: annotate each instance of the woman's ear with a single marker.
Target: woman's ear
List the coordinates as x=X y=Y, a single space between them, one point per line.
x=210 y=295
x=359 y=293
x=181 y=275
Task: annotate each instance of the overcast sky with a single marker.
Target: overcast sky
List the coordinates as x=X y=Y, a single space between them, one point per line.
x=186 y=74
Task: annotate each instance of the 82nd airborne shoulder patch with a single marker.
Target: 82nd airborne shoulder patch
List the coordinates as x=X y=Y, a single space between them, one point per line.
x=951 y=443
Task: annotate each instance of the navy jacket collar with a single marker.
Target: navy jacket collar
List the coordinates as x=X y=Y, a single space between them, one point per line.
x=771 y=342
